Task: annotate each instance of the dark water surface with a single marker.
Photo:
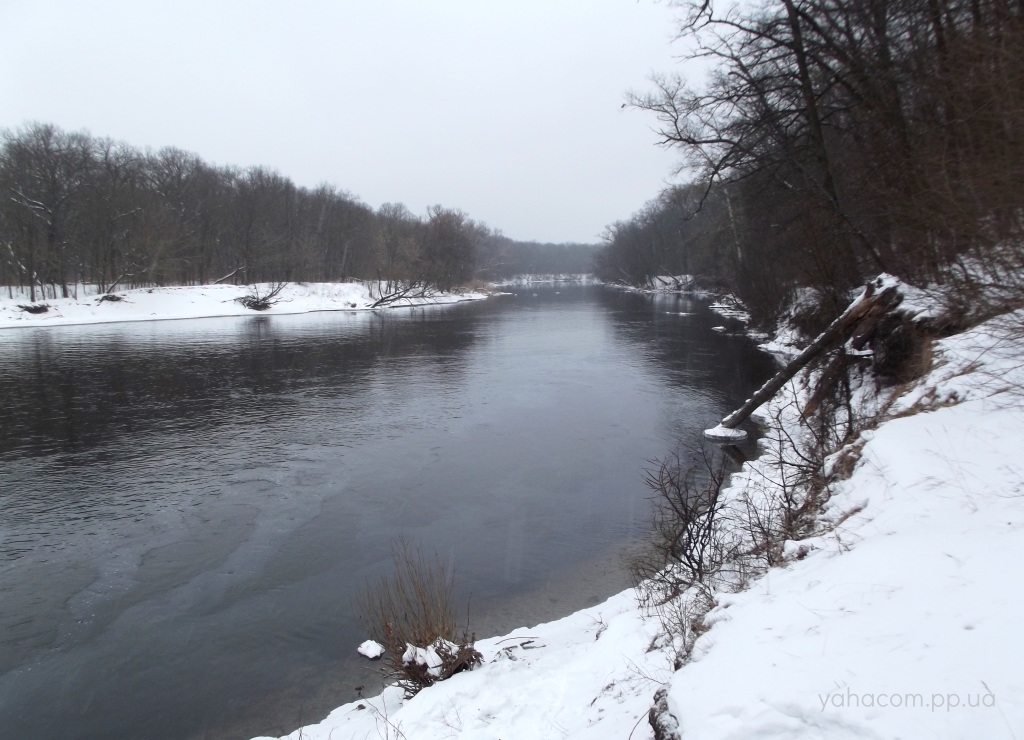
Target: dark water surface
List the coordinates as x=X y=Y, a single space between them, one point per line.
x=187 y=508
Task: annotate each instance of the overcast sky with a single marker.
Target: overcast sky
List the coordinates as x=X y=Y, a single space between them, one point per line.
x=507 y=109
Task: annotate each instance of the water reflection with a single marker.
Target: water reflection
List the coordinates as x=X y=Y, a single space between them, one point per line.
x=73 y=389
x=188 y=507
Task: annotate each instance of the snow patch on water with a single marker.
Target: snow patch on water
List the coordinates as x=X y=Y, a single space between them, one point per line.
x=370 y=649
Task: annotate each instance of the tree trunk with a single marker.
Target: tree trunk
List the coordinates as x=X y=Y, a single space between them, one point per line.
x=837 y=333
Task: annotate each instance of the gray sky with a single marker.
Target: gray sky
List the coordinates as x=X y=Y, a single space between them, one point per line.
x=507 y=109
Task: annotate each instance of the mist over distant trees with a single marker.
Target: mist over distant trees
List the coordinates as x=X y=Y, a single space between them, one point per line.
x=83 y=209
x=836 y=140
x=503 y=257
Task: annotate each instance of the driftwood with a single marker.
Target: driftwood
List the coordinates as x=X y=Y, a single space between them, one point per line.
x=229 y=275
x=110 y=288
x=257 y=302
x=393 y=291
x=855 y=325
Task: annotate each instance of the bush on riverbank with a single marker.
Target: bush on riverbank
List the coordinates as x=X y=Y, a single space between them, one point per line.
x=411 y=613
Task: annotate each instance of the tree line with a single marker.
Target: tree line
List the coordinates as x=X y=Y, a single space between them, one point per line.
x=836 y=139
x=80 y=209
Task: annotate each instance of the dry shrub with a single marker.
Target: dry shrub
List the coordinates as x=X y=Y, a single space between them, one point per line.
x=686 y=546
x=261 y=301
x=411 y=614
x=784 y=500
x=845 y=461
x=704 y=542
x=680 y=566
x=682 y=620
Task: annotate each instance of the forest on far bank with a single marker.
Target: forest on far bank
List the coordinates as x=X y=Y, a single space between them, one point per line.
x=834 y=141
x=84 y=209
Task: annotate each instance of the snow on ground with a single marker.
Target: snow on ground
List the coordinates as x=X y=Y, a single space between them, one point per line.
x=731 y=307
x=523 y=280
x=901 y=621
x=726 y=305
x=661 y=284
x=586 y=676
x=202 y=301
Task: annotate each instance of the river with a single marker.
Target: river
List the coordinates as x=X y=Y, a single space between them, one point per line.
x=189 y=508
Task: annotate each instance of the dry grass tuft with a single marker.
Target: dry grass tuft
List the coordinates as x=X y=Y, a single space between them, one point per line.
x=411 y=614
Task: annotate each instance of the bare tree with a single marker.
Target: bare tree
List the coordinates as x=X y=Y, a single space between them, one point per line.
x=76 y=208
x=850 y=138
x=47 y=169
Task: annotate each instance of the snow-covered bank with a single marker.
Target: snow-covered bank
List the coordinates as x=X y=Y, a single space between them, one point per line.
x=523 y=280
x=661 y=284
x=726 y=305
x=587 y=675
x=899 y=622
x=204 y=301
x=896 y=618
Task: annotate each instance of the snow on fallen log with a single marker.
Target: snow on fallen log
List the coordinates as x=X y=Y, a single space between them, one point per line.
x=879 y=297
x=722 y=433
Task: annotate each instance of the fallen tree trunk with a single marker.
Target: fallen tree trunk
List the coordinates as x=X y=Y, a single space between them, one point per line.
x=395 y=292
x=876 y=300
x=228 y=276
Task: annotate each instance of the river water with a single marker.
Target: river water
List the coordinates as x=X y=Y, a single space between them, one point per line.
x=189 y=508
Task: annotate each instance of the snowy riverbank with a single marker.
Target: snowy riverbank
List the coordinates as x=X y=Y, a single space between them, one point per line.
x=204 y=301
x=726 y=305
x=553 y=279
x=899 y=618
x=896 y=619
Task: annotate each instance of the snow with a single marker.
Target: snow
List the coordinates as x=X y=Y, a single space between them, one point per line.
x=661 y=284
x=370 y=649
x=203 y=301
x=897 y=618
x=430 y=657
x=911 y=599
x=589 y=675
x=724 y=434
x=730 y=307
x=788 y=342
x=523 y=280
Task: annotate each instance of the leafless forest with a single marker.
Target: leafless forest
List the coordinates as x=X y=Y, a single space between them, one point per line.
x=837 y=139
x=83 y=209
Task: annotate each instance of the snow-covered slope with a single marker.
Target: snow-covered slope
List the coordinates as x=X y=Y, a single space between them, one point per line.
x=899 y=622
x=582 y=676
x=201 y=301
x=904 y=621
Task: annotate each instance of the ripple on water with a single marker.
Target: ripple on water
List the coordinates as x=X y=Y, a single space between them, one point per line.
x=189 y=507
